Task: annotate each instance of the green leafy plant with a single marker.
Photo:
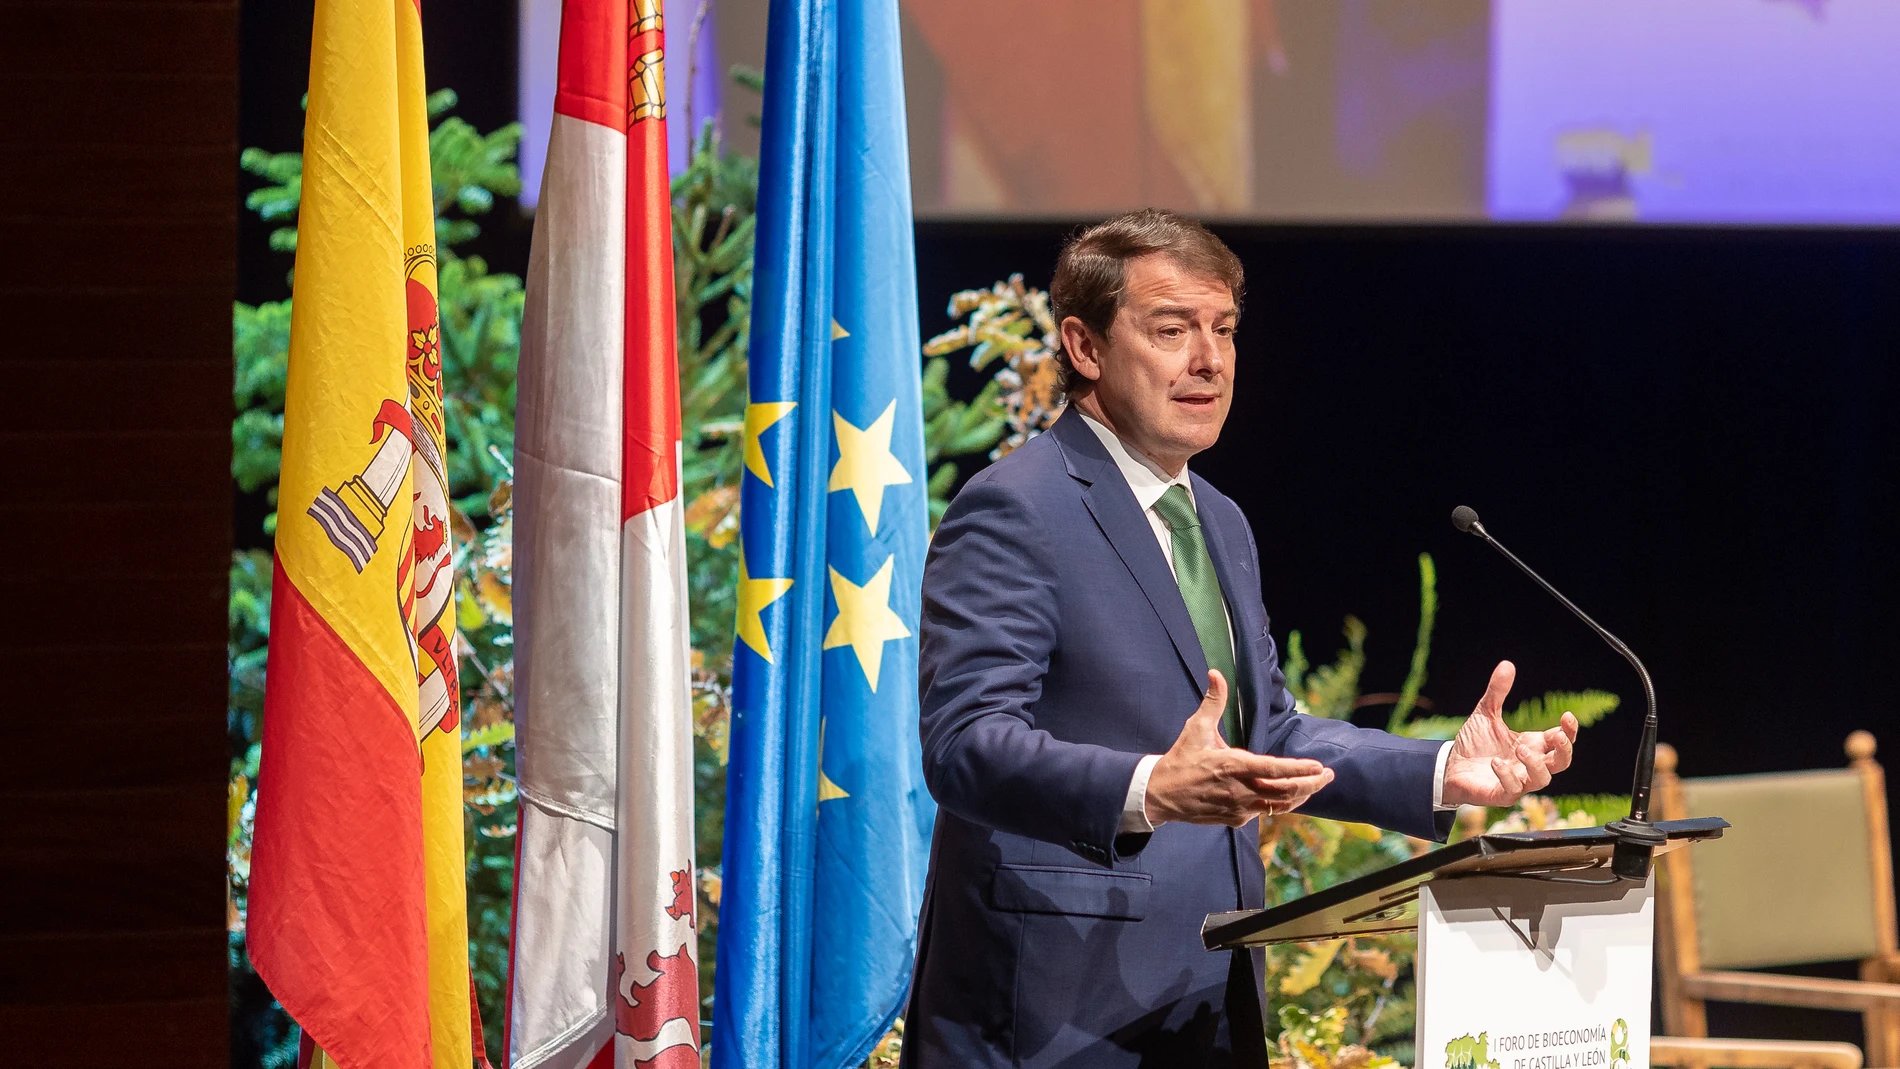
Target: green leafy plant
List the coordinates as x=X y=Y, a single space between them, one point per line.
x=1332 y=690
x=1318 y=1040
x=1009 y=322
x=1350 y=1002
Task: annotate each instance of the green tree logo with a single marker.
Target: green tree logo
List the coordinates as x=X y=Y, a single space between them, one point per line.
x=1468 y=1053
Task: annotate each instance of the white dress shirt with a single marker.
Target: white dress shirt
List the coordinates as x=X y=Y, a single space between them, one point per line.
x=1149 y=482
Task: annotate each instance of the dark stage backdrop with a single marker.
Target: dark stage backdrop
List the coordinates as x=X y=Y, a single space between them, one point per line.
x=117 y=264
x=1691 y=432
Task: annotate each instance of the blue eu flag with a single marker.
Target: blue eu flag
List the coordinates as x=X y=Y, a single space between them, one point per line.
x=827 y=818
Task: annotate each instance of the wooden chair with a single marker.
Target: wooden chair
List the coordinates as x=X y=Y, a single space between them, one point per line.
x=1804 y=875
x=1701 y=1052
x=1693 y=1053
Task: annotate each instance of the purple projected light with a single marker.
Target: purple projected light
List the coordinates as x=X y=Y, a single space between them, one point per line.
x=1695 y=111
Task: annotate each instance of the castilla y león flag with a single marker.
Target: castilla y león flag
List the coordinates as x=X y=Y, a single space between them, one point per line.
x=358 y=916
x=604 y=952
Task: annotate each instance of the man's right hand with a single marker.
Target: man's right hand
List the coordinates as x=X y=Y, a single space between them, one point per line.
x=1202 y=780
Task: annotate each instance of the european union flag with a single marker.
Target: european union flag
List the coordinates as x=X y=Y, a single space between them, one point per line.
x=827 y=817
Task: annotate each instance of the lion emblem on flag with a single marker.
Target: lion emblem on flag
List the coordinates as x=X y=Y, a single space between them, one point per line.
x=662 y=1014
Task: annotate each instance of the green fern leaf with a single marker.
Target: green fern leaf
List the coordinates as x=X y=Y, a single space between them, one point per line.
x=1541 y=714
x=488 y=735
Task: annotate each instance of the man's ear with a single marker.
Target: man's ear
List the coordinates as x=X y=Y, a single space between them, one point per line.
x=1083 y=347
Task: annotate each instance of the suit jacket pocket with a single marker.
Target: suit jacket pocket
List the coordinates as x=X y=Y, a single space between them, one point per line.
x=1074 y=892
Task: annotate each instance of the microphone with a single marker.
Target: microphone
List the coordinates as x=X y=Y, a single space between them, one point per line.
x=1636 y=837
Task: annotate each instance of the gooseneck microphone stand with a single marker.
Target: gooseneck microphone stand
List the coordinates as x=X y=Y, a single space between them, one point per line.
x=1636 y=837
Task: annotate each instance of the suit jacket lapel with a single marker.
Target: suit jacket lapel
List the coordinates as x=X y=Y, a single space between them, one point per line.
x=1238 y=584
x=1119 y=516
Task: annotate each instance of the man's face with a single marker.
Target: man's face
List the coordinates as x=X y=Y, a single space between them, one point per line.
x=1164 y=376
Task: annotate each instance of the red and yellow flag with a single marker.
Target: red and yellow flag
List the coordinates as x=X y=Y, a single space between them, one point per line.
x=358 y=914
x=605 y=945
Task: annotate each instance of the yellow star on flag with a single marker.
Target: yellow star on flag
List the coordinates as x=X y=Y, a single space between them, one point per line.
x=865 y=620
x=757 y=418
x=754 y=596
x=866 y=464
x=827 y=790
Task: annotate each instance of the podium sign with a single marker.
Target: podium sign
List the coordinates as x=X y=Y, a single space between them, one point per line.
x=1520 y=972
x=1532 y=954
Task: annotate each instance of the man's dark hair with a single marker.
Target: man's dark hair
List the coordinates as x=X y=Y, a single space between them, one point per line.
x=1090 y=275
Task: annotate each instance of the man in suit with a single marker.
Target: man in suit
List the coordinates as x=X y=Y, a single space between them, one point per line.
x=1103 y=715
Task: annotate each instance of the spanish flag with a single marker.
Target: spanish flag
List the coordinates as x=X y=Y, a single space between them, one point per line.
x=358 y=918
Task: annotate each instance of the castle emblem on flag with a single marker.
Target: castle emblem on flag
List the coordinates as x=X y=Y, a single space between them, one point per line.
x=410 y=440
x=646 y=65
x=352 y=513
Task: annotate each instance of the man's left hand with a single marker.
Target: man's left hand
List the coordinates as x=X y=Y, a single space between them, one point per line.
x=1490 y=764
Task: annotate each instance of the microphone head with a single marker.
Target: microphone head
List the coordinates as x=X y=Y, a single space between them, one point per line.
x=1464 y=517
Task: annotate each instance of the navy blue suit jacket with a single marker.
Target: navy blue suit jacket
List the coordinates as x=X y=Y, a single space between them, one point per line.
x=1056 y=652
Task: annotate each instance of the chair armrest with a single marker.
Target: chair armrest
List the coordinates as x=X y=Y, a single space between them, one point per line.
x=1686 y=1053
x=1885 y=968
x=1778 y=990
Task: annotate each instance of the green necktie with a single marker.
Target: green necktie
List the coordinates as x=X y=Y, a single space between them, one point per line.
x=1200 y=588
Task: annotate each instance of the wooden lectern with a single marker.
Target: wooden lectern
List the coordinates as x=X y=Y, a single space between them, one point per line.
x=1532 y=954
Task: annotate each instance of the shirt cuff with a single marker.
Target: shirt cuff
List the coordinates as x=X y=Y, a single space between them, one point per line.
x=1135 y=806
x=1438 y=778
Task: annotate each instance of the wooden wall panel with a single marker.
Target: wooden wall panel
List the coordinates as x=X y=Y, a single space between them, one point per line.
x=118 y=232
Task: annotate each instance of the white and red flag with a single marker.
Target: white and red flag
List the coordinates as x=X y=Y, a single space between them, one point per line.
x=605 y=969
